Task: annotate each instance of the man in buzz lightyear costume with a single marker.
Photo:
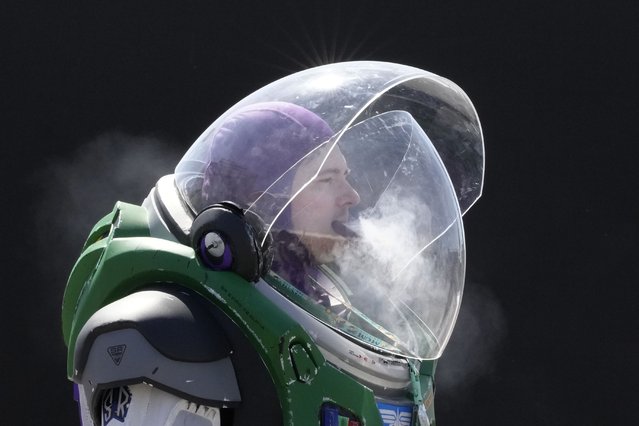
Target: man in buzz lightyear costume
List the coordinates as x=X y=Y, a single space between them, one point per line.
x=303 y=265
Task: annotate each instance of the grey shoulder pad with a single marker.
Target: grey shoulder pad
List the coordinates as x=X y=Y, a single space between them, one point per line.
x=168 y=338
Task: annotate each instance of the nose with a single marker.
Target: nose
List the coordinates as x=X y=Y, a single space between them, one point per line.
x=349 y=196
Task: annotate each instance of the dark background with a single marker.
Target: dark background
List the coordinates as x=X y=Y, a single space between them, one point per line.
x=100 y=98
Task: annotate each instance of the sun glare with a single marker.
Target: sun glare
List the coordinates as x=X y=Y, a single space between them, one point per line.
x=327 y=82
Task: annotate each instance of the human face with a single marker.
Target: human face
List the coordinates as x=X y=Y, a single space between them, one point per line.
x=326 y=198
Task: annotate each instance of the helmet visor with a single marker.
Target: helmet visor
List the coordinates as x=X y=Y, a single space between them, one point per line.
x=368 y=236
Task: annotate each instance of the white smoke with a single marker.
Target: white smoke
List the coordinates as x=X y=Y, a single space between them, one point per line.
x=480 y=329
x=74 y=192
x=430 y=287
x=406 y=274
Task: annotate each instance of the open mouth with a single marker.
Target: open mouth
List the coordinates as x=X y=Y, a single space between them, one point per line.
x=342 y=229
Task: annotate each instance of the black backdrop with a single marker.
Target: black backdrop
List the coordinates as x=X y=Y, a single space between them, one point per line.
x=100 y=98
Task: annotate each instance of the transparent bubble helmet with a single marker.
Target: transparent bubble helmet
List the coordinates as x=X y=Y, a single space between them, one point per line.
x=361 y=172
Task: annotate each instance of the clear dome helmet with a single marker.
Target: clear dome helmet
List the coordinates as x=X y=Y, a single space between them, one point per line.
x=361 y=173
